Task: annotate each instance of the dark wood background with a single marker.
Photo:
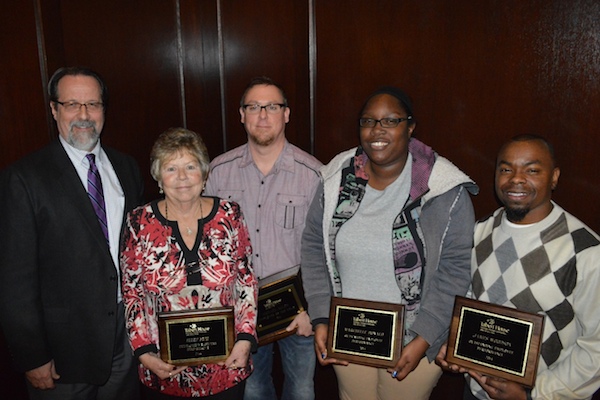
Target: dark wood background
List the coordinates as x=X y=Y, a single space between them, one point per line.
x=479 y=72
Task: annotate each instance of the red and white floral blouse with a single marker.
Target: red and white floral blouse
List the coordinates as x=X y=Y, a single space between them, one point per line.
x=154 y=279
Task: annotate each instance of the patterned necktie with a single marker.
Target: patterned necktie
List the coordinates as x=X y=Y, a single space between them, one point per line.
x=96 y=194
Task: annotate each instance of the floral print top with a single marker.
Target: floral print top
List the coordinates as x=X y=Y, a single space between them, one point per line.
x=156 y=278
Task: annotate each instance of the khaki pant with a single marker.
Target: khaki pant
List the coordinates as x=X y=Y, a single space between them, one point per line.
x=359 y=382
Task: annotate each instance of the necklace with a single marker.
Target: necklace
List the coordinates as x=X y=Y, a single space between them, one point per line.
x=188 y=230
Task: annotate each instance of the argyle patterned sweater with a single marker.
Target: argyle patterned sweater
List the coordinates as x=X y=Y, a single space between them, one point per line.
x=550 y=268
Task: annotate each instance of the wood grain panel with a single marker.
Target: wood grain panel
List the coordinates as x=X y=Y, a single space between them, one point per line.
x=200 y=41
x=478 y=74
x=266 y=38
x=22 y=116
x=135 y=49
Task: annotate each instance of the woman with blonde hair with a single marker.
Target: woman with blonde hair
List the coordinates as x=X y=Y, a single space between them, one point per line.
x=187 y=252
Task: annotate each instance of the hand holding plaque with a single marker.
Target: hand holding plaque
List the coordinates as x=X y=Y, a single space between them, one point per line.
x=196 y=337
x=365 y=332
x=280 y=300
x=495 y=340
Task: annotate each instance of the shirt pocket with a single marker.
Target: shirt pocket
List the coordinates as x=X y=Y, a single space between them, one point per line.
x=290 y=210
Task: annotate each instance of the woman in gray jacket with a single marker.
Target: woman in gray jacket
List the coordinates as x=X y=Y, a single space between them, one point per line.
x=392 y=222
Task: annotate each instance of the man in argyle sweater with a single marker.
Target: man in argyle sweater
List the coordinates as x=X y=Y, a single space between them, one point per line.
x=534 y=256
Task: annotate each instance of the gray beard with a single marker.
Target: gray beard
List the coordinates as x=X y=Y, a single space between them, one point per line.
x=81 y=142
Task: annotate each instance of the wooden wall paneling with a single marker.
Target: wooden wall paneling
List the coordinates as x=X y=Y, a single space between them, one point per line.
x=410 y=45
x=312 y=69
x=516 y=67
x=200 y=41
x=267 y=38
x=478 y=74
x=568 y=96
x=360 y=46
x=135 y=49
x=466 y=67
x=22 y=106
x=50 y=48
x=23 y=120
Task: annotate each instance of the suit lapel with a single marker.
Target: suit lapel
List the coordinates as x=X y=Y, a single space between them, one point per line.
x=125 y=177
x=70 y=182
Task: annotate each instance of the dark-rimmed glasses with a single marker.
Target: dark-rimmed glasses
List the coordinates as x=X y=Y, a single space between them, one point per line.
x=73 y=106
x=272 y=108
x=384 y=122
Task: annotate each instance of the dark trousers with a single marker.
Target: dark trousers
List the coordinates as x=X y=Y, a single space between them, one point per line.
x=123 y=383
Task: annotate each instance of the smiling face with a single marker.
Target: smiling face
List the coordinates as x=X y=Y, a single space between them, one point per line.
x=81 y=129
x=386 y=147
x=263 y=128
x=181 y=177
x=525 y=178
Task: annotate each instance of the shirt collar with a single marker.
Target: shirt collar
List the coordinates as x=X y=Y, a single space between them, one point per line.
x=285 y=161
x=76 y=154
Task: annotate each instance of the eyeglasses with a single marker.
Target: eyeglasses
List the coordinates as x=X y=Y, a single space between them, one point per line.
x=384 y=122
x=73 y=106
x=272 y=108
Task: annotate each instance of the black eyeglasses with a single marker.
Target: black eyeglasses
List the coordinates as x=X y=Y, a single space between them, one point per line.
x=272 y=108
x=73 y=106
x=384 y=122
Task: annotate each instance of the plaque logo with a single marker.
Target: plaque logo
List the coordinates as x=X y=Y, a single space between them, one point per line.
x=364 y=322
x=195 y=330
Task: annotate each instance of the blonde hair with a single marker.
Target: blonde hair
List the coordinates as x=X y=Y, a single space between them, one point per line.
x=174 y=141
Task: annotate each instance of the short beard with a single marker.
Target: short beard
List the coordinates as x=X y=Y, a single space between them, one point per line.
x=262 y=142
x=516 y=214
x=85 y=143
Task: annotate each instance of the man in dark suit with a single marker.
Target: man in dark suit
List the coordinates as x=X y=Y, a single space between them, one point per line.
x=60 y=298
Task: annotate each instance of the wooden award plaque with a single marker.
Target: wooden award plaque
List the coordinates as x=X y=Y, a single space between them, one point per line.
x=495 y=340
x=197 y=336
x=365 y=332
